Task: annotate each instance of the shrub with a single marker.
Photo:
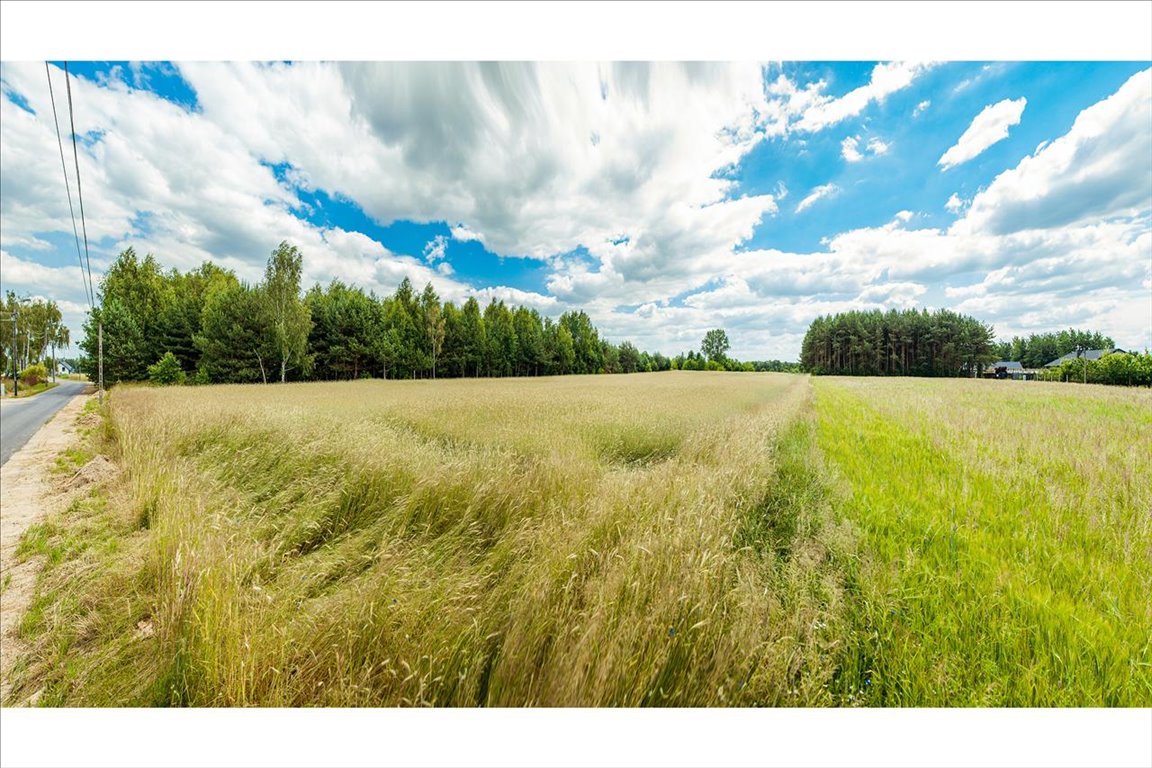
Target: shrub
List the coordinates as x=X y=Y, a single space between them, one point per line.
x=34 y=374
x=1120 y=368
x=166 y=371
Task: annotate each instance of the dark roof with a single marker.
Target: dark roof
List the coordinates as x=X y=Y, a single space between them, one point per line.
x=1091 y=354
x=1010 y=364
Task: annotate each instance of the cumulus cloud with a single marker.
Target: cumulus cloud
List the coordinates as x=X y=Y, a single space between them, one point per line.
x=503 y=146
x=921 y=107
x=1098 y=169
x=988 y=128
x=62 y=284
x=462 y=233
x=954 y=204
x=23 y=275
x=819 y=193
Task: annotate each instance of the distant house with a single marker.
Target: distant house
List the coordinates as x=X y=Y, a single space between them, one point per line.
x=1091 y=354
x=1008 y=369
x=63 y=368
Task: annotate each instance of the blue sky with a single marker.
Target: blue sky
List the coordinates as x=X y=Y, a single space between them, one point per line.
x=664 y=199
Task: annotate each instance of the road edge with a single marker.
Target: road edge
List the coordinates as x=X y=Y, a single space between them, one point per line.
x=25 y=498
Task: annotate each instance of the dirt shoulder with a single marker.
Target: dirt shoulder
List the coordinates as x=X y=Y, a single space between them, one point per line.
x=26 y=495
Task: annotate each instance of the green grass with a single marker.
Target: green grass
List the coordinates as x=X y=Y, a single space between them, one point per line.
x=1007 y=538
x=26 y=391
x=682 y=539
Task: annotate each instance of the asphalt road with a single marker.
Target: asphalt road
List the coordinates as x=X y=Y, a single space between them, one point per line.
x=20 y=419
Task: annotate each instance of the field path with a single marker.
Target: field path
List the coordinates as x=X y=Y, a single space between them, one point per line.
x=25 y=496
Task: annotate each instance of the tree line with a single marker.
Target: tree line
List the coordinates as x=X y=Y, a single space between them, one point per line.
x=943 y=343
x=35 y=335
x=897 y=343
x=207 y=326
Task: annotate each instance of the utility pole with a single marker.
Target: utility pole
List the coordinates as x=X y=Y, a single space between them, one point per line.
x=47 y=342
x=100 y=352
x=15 y=372
x=52 y=340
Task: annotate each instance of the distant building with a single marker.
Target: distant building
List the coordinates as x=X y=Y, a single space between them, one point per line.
x=63 y=369
x=1091 y=354
x=1008 y=369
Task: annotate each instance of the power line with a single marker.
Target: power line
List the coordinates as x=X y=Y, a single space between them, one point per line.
x=76 y=159
x=84 y=275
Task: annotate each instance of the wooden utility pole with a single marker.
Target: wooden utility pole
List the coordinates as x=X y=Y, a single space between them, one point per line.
x=15 y=349
x=100 y=353
x=47 y=327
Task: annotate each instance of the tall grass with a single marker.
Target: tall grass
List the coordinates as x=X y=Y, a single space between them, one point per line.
x=685 y=539
x=1008 y=532
x=646 y=540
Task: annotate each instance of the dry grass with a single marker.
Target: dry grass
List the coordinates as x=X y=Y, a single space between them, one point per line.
x=645 y=540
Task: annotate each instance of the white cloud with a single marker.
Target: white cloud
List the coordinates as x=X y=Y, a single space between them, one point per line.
x=504 y=147
x=851 y=151
x=986 y=71
x=1098 y=169
x=989 y=127
x=434 y=249
x=64 y=285
x=22 y=275
x=919 y=110
x=886 y=80
x=463 y=234
x=819 y=193
x=893 y=294
x=954 y=204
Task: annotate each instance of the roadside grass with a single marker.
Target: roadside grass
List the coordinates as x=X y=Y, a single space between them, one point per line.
x=1008 y=541
x=658 y=539
x=26 y=391
x=76 y=456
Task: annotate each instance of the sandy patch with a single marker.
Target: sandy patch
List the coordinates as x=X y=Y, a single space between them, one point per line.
x=95 y=471
x=27 y=493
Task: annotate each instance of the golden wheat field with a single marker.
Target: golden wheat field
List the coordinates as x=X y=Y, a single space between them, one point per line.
x=679 y=538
